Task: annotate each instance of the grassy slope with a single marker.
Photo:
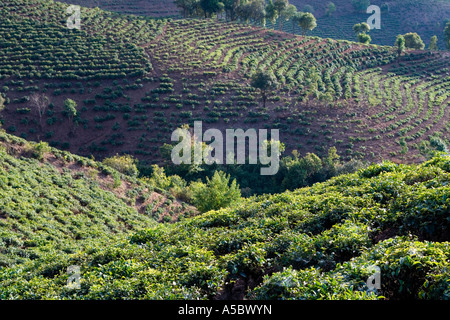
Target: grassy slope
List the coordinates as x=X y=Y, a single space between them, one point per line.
x=327 y=236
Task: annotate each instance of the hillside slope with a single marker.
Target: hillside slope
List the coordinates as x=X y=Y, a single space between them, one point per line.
x=426 y=17
x=358 y=98
x=321 y=242
x=53 y=199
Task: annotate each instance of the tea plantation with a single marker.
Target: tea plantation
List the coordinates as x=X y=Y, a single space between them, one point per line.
x=319 y=242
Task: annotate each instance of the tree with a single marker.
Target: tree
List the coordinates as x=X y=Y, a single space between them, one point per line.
x=307 y=22
x=210 y=7
x=230 y=7
x=125 y=164
x=331 y=8
x=362 y=27
x=271 y=12
x=289 y=13
x=400 y=44
x=433 y=43
x=40 y=102
x=361 y=5
x=2 y=102
x=447 y=35
x=216 y=193
x=364 y=38
x=295 y=19
x=70 y=110
x=413 y=41
x=280 y=6
x=264 y=81
x=308 y=8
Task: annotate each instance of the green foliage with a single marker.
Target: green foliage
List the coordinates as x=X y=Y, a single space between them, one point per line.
x=413 y=41
x=125 y=164
x=360 y=5
x=217 y=193
x=447 y=35
x=318 y=242
x=364 y=38
x=433 y=43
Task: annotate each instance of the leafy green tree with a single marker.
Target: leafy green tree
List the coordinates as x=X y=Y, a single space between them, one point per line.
x=331 y=8
x=40 y=103
x=413 y=41
x=433 y=43
x=70 y=110
x=125 y=164
x=264 y=81
x=217 y=193
x=400 y=44
x=307 y=22
x=271 y=12
x=447 y=35
x=308 y=8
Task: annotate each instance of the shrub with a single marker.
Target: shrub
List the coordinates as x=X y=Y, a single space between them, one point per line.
x=125 y=164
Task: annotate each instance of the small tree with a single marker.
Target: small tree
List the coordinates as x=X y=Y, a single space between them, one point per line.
x=364 y=38
x=289 y=12
x=433 y=43
x=70 y=110
x=280 y=6
x=271 y=12
x=331 y=8
x=216 y=193
x=360 y=5
x=447 y=35
x=400 y=44
x=413 y=41
x=125 y=164
x=264 y=81
x=307 y=22
x=40 y=103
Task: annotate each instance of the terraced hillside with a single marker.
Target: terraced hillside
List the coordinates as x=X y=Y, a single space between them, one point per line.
x=321 y=242
x=426 y=17
x=359 y=98
x=53 y=203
